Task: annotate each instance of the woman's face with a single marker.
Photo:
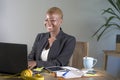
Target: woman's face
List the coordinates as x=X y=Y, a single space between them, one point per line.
x=53 y=22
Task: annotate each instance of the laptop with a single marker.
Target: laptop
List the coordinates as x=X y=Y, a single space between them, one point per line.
x=13 y=58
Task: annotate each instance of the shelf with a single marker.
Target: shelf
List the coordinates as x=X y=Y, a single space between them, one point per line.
x=112 y=52
x=109 y=53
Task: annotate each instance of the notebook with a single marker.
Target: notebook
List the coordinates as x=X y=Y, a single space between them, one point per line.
x=13 y=58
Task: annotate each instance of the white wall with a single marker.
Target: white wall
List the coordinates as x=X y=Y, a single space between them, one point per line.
x=115 y=68
x=22 y=20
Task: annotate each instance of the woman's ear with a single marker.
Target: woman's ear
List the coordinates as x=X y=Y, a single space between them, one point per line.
x=61 y=21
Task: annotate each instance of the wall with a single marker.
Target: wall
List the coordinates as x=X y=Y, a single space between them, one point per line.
x=22 y=20
x=114 y=68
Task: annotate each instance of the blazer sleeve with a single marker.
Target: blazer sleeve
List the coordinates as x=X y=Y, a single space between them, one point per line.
x=32 y=54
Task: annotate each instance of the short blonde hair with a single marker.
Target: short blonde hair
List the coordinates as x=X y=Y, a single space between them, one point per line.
x=55 y=10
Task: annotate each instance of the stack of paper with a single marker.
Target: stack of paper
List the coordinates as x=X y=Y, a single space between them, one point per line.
x=72 y=73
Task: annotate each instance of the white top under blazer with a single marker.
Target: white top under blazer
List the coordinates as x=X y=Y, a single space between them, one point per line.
x=44 y=54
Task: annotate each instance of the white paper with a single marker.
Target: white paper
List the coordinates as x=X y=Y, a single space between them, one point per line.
x=73 y=73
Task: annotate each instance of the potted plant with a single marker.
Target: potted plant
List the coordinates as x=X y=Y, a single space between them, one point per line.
x=112 y=21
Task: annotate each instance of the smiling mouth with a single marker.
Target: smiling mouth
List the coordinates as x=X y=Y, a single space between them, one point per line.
x=49 y=27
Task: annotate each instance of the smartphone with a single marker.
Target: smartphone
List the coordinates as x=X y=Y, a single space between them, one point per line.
x=55 y=68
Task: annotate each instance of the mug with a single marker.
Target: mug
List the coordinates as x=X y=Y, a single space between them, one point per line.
x=89 y=62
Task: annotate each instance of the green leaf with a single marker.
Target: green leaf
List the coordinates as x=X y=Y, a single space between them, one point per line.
x=112 y=2
x=115 y=24
x=107 y=22
x=107 y=27
x=110 y=11
x=102 y=33
x=112 y=21
x=109 y=19
x=118 y=4
x=98 y=30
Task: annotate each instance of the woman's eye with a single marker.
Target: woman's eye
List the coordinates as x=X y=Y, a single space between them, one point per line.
x=52 y=20
x=46 y=20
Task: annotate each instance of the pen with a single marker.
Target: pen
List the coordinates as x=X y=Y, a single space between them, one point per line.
x=65 y=72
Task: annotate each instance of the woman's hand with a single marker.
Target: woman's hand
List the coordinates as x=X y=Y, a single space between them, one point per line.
x=31 y=64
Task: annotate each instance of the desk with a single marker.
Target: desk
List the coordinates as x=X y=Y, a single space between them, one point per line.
x=106 y=54
x=101 y=75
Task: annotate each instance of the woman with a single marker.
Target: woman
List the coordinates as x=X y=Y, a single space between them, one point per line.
x=55 y=47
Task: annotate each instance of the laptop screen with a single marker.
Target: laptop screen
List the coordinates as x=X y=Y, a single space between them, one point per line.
x=13 y=57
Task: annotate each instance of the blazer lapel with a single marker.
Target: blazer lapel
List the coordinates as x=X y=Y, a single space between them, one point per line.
x=42 y=45
x=55 y=48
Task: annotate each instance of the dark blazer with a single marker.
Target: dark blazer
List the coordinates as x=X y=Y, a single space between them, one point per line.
x=59 y=53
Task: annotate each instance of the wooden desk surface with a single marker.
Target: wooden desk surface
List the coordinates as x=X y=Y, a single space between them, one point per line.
x=47 y=76
x=100 y=75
